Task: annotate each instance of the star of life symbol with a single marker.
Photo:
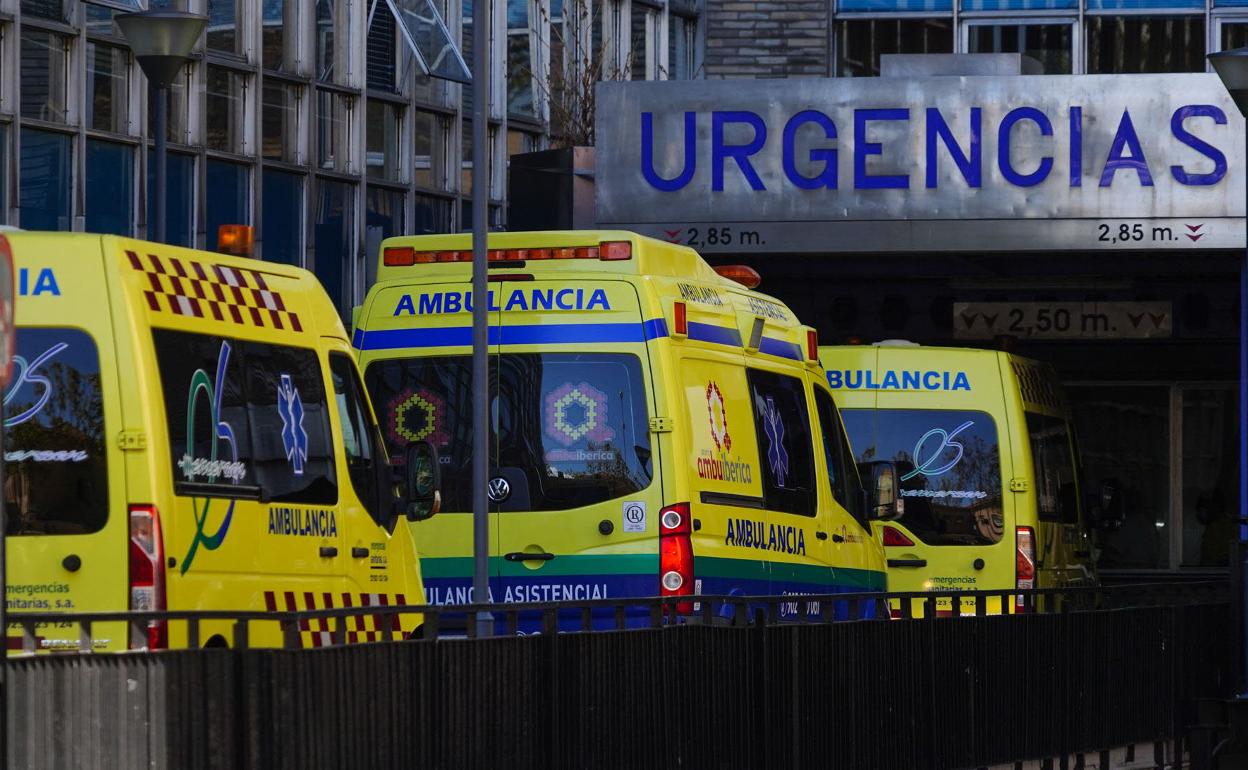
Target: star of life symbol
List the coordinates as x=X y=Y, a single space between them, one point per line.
x=777 y=457
x=294 y=437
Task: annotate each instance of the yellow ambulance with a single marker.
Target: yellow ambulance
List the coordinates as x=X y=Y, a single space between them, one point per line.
x=188 y=431
x=657 y=428
x=981 y=446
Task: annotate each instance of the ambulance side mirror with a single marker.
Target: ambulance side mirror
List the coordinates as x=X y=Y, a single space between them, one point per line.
x=422 y=479
x=883 y=504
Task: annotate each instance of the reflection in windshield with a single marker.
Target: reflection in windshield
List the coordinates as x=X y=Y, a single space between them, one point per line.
x=568 y=429
x=950 y=469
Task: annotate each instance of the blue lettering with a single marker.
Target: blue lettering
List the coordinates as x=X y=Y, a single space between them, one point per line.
x=849 y=379
x=599 y=298
x=771 y=538
x=45 y=282
x=890 y=380
x=647 y=154
x=863 y=149
x=871 y=380
x=1199 y=145
x=430 y=304
x=1003 y=147
x=825 y=178
x=801 y=542
x=405 y=304
x=452 y=301
x=960 y=382
x=739 y=152
x=560 y=301
x=731 y=539
x=517 y=300
x=1076 y=146
x=910 y=380
x=1126 y=139
x=968 y=163
x=834 y=379
x=931 y=380
x=543 y=299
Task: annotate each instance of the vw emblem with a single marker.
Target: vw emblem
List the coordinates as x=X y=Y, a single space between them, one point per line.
x=499 y=490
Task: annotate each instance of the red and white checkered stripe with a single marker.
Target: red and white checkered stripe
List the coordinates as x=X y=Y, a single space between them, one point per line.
x=225 y=293
x=319 y=632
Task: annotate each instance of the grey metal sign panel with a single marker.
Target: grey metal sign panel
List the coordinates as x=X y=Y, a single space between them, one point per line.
x=958 y=163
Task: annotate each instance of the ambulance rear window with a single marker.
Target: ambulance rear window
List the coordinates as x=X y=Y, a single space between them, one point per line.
x=568 y=429
x=1054 y=466
x=950 y=467
x=55 y=470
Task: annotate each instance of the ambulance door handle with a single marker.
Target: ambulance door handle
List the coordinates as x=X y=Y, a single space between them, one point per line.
x=359 y=553
x=907 y=562
x=328 y=551
x=526 y=556
x=821 y=535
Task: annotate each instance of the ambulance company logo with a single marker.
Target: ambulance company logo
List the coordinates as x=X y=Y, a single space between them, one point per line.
x=576 y=412
x=939 y=452
x=416 y=415
x=717 y=412
x=25 y=373
x=294 y=436
x=211 y=468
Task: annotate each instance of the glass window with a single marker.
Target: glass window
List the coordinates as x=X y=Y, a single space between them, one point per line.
x=99 y=21
x=332 y=20
x=842 y=471
x=55 y=469
x=110 y=188
x=383 y=218
x=430 y=141
x=433 y=215
x=227 y=197
x=1054 y=465
x=519 y=142
x=334 y=240
x=359 y=438
x=782 y=424
x=108 y=88
x=45 y=59
x=934 y=6
x=4 y=173
x=223 y=27
x=465 y=167
x=180 y=198
x=175 y=97
x=860 y=43
x=1119 y=44
x=225 y=109
x=279 y=121
x=278 y=49
x=381 y=50
x=1234 y=34
x=429 y=40
x=332 y=130
x=382 y=140
x=1124 y=441
x=246 y=419
x=519 y=61
x=641 y=58
x=569 y=429
x=53 y=10
x=46 y=175
x=1210 y=475
x=1050 y=44
x=282 y=217
x=681 y=46
x=950 y=466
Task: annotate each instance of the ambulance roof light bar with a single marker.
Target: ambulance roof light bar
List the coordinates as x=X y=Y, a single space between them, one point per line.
x=607 y=251
x=742 y=274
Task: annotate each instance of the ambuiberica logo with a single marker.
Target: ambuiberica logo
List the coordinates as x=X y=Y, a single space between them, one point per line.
x=720 y=464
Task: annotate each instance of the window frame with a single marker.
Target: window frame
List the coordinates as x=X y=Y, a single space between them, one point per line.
x=777 y=498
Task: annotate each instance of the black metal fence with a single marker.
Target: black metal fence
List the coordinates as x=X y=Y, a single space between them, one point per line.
x=963 y=692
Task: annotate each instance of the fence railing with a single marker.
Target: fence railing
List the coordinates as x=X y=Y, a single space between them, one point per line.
x=1114 y=669
x=628 y=613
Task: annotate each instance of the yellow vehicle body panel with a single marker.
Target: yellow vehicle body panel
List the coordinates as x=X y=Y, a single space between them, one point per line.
x=964 y=426
x=603 y=334
x=224 y=384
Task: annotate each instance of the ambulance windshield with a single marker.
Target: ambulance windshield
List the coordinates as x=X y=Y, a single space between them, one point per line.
x=568 y=429
x=950 y=469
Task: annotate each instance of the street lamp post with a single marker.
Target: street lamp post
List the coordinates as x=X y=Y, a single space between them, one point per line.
x=1232 y=68
x=162 y=43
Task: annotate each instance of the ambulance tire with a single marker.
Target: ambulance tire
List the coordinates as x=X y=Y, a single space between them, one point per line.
x=216 y=642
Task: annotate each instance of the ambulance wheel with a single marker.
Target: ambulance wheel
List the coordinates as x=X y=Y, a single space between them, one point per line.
x=216 y=642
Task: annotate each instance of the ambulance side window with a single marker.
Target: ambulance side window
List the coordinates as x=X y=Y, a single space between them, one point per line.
x=55 y=470
x=842 y=475
x=359 y=436
x=782 y=423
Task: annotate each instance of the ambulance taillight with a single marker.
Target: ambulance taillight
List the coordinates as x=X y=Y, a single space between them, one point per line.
x=742 y=274
x=676 y=555
x=1025 y=564
x=147 y=576
x=894 y=537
